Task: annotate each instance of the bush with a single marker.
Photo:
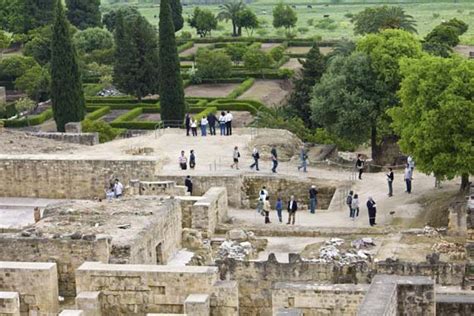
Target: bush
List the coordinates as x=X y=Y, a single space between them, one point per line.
x=129 y=116
x=326 y=24
x=91 y=89
x=101 y=111
x=213 y=64
x=185 y=46
x=281 y=62
x=185 y=35
x=117 y=100
x=277 y=53
x=106 y=132
x=205 y=113
x=31 y=120
x=244 y=86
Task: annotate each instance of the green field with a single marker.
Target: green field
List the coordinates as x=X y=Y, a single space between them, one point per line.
x=426 y=13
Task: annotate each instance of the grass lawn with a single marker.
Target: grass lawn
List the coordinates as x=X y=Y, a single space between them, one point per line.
x=426 y=13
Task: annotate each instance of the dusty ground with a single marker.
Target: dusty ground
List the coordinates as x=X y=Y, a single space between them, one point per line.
x=193 y=50
x=218 y=90
x=270 y=92
x=293 y=63
x=18 y=142
x=304 y=50
x=149 y=117
x=266 y=47
x=464 y=50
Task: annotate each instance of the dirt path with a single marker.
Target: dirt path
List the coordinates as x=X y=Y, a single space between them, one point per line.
x=270 y=92
x=192 y=50
x=218 y=90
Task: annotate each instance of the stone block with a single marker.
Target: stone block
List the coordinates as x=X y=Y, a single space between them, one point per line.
x=3 y=95
x=289 y=312
x=88 y=139
x=197 y=305
x=73 y=127
x=72 y=312
x=9 y=304
x=89 y=303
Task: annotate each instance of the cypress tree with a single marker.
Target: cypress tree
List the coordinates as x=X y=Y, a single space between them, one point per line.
x=84 y=13
x=66 y=84
x=171 y=84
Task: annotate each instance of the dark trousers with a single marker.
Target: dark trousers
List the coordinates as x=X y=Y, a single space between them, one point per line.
x=255 y=164
x=372 y=213
x=350 y=210
x=279 y=215
x=267 y=217
x=408 y=183
x=228 y=126
x=275 y=165
x=188 y=128
x=360 y=173
x=390 y=188
x=194 y=130
x=291 y=217
x=212 y=129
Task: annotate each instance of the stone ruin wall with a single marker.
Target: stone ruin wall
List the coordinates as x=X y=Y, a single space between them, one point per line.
x=68 y=177
x=88 y=139
x=210 y=210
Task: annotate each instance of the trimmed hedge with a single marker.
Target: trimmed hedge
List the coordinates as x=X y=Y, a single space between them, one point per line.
x=126 y=106
x=154 y=109
x=224 y=80
x=122 y=100
x=244 y=86
x=129 y=116
x=31 y=120
x=293 y=55
x=185 y=46
x=98 y=113
x=206 y=112
x=294 y=42
x=282 y=61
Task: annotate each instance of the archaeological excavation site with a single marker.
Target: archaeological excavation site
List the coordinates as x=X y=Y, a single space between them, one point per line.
x=69 y=247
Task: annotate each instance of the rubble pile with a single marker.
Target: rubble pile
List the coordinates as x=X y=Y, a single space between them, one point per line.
x=235 y=250
x=331 y=251
x=454 y=251
x=431 y=231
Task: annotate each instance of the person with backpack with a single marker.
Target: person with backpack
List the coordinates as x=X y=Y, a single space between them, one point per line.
x=256 y=157
x=211 y=119
x=349 y=202
x=235 y=156
x=372 y=209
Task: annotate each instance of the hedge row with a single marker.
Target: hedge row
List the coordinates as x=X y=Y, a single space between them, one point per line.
x=282 y=61
x=205 y=112
x=98 y=113
x=244 y=86
x=294 y=42
x=294 y=55
x=265 y=74
x=129 y=116
x=125 y=106
x=31 y=120
x=224 y=80
x=122 y=100
x=185 y=46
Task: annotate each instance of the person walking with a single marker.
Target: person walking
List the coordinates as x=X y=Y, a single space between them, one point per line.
x=211 y=119
x=188 y=183
x=390 y=182
x=349 y=202
x=235 y=156
x=411 y=163
x=256 y=157
x=303 y=159
x=279 y=208
x=183 y=161
x=408 y=177
x=292 y=208
x=360 y=165
x=274 y=159
x=372 y=209
x=228 y=123
x=118 y=188
x=204 y=126
x=263 y=193
x=222 y=124
x=355 y=207
x=194 y=127
x=192 y=159
x=313 y=199
x=260 y=206
x=187 y=123
x=267 y=208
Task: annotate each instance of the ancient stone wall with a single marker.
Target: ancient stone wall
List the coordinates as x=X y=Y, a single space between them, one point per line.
x=66 y=253
x=454 y=304
x=9 y=304
x=210 y=210
x=187 y=203
x=316 y=299
x=89 y=139
x=37 y=284
x=68 y=176
x=141 y=289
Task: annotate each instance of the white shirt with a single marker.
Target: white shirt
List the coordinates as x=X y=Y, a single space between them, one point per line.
x=204 y=121
x=222 y=118
x=118 y=188
x=263 y=194
x=228 y=117
x=355 y=203
x=182 y=159
x=193 y=123
x=411 y=162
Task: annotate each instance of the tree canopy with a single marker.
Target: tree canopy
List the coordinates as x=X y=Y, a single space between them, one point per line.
x=376 y=19
x=435 y=120
x=203 y=20
x=93 y=38
x=284 y=16
x=444 y=37
x=247 y=20
x=213 y=64
x=84 y=13
x=231 y=11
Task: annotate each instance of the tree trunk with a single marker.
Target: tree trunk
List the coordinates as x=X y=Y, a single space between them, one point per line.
x=373 y=142
x=234 y=29
x=464 y=182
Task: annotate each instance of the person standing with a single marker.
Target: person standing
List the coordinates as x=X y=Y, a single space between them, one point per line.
x=267 y=208
x=192 y=159
x=372 y=208
x=235 y=156
x=188 y=183
x=349 y=202
x=303 y=159
x=228 y=122
x=222 y=123
x=390 y=181
x=292 y=208
x=274 y=159
x=263 y=193
x=411 y=163
x=355 y=207
x=313 y=199
x=279 y=208
x=183 y=161
x=187 y=123
x=194 y=127
x=204 y=126
x=360 y=165
x=211 y=119
x=408 y=177
x=256 y=157
x=260 y=206
x=118 y=188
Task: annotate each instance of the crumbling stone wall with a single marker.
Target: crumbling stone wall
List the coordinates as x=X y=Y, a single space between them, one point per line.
x=210 y=210
x=68 y=176
x=454 y=304
x=89 y=139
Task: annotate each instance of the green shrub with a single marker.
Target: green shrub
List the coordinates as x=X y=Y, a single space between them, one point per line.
x=185 y=46
x=91 y=89
x=98 y=113
x=129 y=116
x=205 y=113
x=185 y=35
x=154 y=109
x=281 y=62
x=244 y=86
x=326 y=24
x=277 y=53
x=30 y=120
x=120 y=100
x=106 y=132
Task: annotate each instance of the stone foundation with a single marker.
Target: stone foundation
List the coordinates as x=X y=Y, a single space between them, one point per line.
x=88 y=139
x=210 y=210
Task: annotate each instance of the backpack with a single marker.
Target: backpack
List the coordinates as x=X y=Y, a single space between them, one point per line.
x=256 y=155
x=349 y=200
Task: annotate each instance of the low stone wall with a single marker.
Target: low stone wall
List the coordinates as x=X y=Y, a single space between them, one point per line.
x=210 y=210
x=64 y=177
x=138 y=187
x=89 y=139
x=9 y=304
x=454 y=304
x=37 y=284
x=317 y=299
x=141 y=289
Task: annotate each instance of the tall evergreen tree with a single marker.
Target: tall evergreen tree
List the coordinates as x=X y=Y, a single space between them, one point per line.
x=83 y=13
x=66 y=83
x=25 y=15
x=136 y=56
x=171 y=84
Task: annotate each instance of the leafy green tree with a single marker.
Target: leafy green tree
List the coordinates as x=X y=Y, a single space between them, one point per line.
x=313 y=68
x=136 y=56
x=343 y=48
x=36 y=83
x=247 y=20
x=66 y=84
x=5 y=41
x=444 y=37
x=109 y=18
x=213 y=64
x=177 y=11
x=39 y=47
x=256 y=59
x=236 y=51
x=93 y=38
x=231 y=11
x=376 y=19
x=435 y=118
x=284 y=16
x=15 y=66
x=26 y=15
x=171 y=84
x=203 y=20
x=84 y=13
x=25 y=105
